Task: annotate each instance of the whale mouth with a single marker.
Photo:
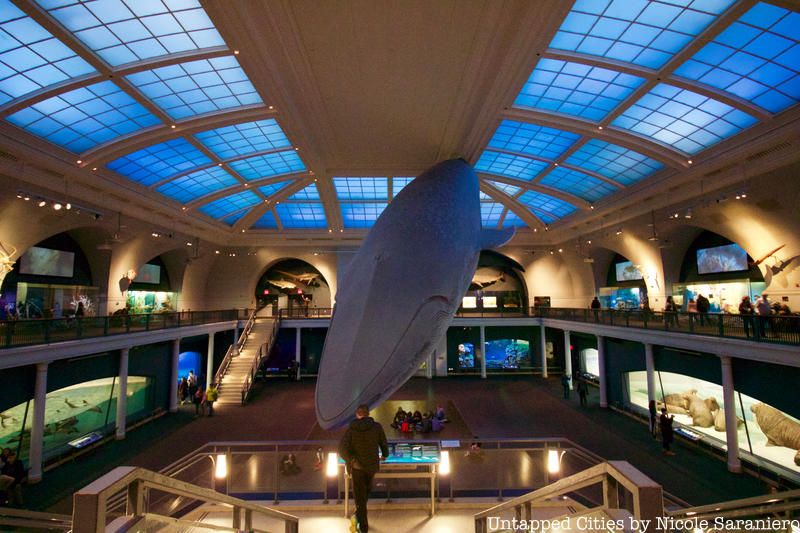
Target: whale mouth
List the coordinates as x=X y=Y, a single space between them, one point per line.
x=434 y=314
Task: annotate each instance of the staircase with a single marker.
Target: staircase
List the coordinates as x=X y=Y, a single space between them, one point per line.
x=240 y=369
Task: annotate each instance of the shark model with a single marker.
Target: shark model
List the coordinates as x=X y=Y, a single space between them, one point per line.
x=399 y=293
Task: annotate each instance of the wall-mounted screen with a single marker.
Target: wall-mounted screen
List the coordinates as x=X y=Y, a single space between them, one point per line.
x=727 y=258
x=626 y=271
x=149 y=274
x=47 y=262
x=466 y=355
x=508 y=354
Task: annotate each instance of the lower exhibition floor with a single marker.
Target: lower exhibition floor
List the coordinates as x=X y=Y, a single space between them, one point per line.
x=522 y=407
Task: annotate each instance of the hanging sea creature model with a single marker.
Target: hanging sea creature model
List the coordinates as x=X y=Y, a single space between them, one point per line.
x=399 y=293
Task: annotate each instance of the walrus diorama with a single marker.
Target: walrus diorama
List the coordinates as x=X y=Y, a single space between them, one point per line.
x=778 y=428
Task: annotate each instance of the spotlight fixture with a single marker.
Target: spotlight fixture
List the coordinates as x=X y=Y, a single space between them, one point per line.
x=188 y=243
x=688 y=213
x=653 y=236
x=618 y=232
x=560 y=250
x=216 y=252
x=57 y=206
x=552 y=252
x=42 y=203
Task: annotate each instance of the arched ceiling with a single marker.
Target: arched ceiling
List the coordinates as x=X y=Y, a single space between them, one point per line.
x=309 y=117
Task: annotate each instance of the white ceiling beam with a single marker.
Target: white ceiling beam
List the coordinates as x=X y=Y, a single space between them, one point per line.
x=131 y=143
x=623 y=138
x=514 y=205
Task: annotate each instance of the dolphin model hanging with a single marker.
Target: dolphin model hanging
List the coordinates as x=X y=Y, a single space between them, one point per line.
x=399 y=293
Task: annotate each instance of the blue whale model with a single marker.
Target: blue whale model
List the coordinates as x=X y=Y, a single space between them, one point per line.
x=399 y=293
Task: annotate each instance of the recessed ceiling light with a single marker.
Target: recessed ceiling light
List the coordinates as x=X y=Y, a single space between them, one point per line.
x=79 y=161
x=173 y=126
x=94 y=168
x=689 y=161
x=246 y=184
x=183 y=208
x=57 y=206
x=68 y=206
x=244 y=230
x=188 y=243
x=296 y=149
x=42 y=203
x=599 y=127
x=560 y=250
x=591 y=206
x=236 y=52
x=216 y=252
x=619 y=231
x=272 y=107
x=219 y=164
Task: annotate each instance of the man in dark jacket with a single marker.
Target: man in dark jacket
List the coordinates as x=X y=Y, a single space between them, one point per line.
x=702 y=308
x=359 y=448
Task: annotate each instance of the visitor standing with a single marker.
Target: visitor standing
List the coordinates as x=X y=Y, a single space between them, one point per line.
x=702 y=309
x=746 y=311
x=666 y=431
x=211 y=396
x=565 y=385
x=583 y=391
x=651 y=407
x=359 y=449
x=764 y=310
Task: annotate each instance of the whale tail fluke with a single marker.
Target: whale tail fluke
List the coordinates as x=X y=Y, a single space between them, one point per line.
x=495 y=238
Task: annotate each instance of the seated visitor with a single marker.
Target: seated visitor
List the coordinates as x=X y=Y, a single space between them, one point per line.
x=12 y=476
x=440 y=413
x=416 y=418
x=399 y=416
x=408 y=424
x=436 y=424
x=426 y=426
x=289 y=465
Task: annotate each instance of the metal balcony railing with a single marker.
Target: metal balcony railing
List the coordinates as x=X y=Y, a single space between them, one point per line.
x=29 y=332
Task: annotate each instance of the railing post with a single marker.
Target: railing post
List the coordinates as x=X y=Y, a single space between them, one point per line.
x=248 y=519
x=237 y=518
x=147 y=322
x=135 y=499
x=721 y=326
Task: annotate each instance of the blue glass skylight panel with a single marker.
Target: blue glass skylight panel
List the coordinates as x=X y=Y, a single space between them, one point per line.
x=361 y=188
x=683 y=119
x=131 y=30
x=398 y=183
x=196 y=87
x=614 y=162
x=225 y=206
x=756 y=58
x=234 y=218
x=306 y=215
x=545 y=203
x=30 y=57
x=309 y=193
x=581 y=185
x=83 y=118
x=242 y=139
x=643 y=32
x=510 y=190
x=361 y=214
x=160 y=161
x=512 y=220
x=267 y=221
x=272 y=188
x=490 y=214
x=482 y=196
x=545 y=217
x=576 y=89
x=197 y=184
x=532 y=139
x=510 y=166
x=268 y=165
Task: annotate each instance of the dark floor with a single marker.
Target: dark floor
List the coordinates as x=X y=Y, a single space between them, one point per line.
x=498 y=407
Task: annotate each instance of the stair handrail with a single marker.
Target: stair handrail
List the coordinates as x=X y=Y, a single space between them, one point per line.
x=26 y=519
x=263 y=351
x=764 y=505
x=648 y=500
x=234 y=349
x=90 y=503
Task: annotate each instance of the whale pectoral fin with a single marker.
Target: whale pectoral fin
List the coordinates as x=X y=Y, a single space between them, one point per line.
x=494 y=238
